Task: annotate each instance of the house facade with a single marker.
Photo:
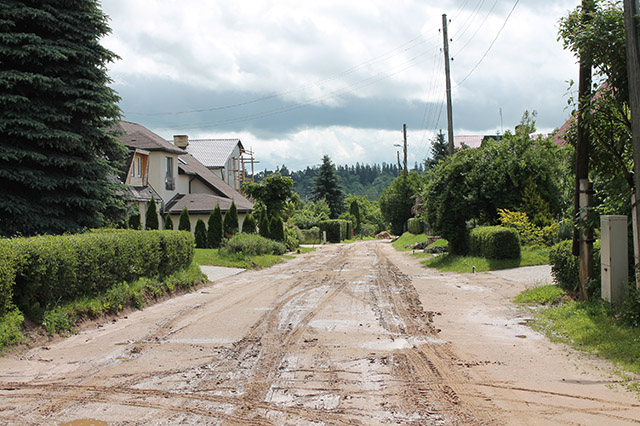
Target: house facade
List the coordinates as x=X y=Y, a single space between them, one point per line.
x=175 y=179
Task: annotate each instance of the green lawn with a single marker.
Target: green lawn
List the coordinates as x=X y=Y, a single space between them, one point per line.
x=213 y=257
x=453 y=263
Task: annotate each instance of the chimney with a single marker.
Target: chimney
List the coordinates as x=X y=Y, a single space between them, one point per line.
x=181 y=141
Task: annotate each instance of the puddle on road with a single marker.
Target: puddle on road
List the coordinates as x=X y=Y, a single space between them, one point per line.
x=84 y=422
x=521 y=336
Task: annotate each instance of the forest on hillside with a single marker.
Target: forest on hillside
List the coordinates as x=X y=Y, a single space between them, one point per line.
x=362 y=179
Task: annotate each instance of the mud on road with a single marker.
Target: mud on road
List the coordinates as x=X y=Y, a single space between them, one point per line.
x=346 y=335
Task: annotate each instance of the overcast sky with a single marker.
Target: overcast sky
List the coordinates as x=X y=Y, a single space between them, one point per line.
x=296 y=80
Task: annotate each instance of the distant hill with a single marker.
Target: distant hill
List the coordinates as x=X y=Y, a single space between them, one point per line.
x=361 y=179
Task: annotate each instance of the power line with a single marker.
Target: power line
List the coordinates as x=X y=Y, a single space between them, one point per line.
x=490 y=46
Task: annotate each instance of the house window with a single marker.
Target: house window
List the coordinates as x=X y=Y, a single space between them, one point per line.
x=133 y=168
x=169 y=180
x=139 y=166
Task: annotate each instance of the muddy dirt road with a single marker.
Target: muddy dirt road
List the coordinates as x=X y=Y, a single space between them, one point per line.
x=348 y=335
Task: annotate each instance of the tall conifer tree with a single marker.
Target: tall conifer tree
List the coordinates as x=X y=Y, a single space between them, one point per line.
x=56 y=156
x=327 y=187
x=214 y=233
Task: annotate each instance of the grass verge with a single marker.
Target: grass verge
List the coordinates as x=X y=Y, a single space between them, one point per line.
x=589 y=326
x=238 y=260
x=408 y=239
x=448 y=262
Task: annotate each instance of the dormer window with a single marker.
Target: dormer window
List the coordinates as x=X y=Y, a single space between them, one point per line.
x=139 y=166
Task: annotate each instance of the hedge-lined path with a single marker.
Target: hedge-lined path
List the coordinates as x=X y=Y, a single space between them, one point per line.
x=347 y=334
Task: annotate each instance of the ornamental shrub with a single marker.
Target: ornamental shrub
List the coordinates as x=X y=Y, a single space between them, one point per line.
x=214 y=233
x=310 y=236
x=249 y=224
x=263 y=228
x=276 y=228
x=291 y=239
x=200 y=234
x=414 y=226
x=494 y=242
x=168 y=222
x=185 y=222
x=53 y=269
x=253 y=245
x=565 y=266
x=151 y=217
x=230 y=223
x=336 y=229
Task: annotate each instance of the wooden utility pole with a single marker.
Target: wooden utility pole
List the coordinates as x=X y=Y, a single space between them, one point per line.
x=447 y=73
x=633 y=75
x=404 y=133
x=583 y=235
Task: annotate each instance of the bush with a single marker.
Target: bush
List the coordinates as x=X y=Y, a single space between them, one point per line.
x=10 y=262
x=53 y=269
x=565 y=267
x=336 y=229
x=253 y=245
x=368 y=229
x=214 y=233
x=200 y=234
x=414 y=225
x=494 y=242
x=291 y=239
x=168 y=222
x=185 y=223
x=263 y=228
x=151 y=217
x=249 y=224
x=276 y=229
x=310 y=236
x=230 y=222
x=134 y=221
x=10 y=324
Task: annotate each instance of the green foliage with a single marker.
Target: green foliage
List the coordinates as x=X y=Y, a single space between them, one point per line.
x=168 y=222
x=449 y=262
x=336 y=229
x=185 y=222
x=629 y=311
x=327 y=187
x=273 y=192
x=276 y=229
x=230 y=222
x=535 y=206
x=249 y=224
x=57 y=158
x=542 y=295
x=371 y=217
x=214 y=232
x=530 y=234
x=397 y=200
x=10 y=325
x=53 y=269
x=414 y=226
x=494 y=242
x=409 y=239
x=565 y=266
x=291 y=239
x=311 y=213
x=253 y=245
x=10 y=263
x=310 y=236
x=134 y=221
x=200 y=234
x=151 y=217
x=439 y=151
x=263 y=228
x=354 y=210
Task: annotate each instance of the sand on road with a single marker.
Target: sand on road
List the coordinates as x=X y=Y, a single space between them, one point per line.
x=346 y=335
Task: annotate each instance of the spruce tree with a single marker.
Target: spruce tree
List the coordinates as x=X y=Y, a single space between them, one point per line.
x=214 y=233
x=249 y=224
x=327 y=187
x=185 y=222
x=200 y=234
x=439 y=151
x=168 y=222
x=151 y=217
x=56 y=156
x=230 y=224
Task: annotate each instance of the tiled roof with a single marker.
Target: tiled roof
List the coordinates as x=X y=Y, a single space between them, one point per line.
x=137 y=136
x=190 y=166
x=200 y=203
x=213 y=153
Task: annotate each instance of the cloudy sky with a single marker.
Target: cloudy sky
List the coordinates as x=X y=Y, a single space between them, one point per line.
x=296 y=80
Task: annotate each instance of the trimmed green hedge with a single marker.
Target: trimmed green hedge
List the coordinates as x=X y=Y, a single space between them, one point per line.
x=494 y=242
x=51 y=269
x=254 y=245
x=310 y=236
x=336 y=229
x=414 y=226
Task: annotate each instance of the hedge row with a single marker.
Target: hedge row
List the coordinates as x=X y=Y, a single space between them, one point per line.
x=494 y=242
x=46 y=270
x=336 y=229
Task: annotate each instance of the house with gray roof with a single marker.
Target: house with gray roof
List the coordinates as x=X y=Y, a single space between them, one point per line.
x=174 y=178
x=226 y=158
